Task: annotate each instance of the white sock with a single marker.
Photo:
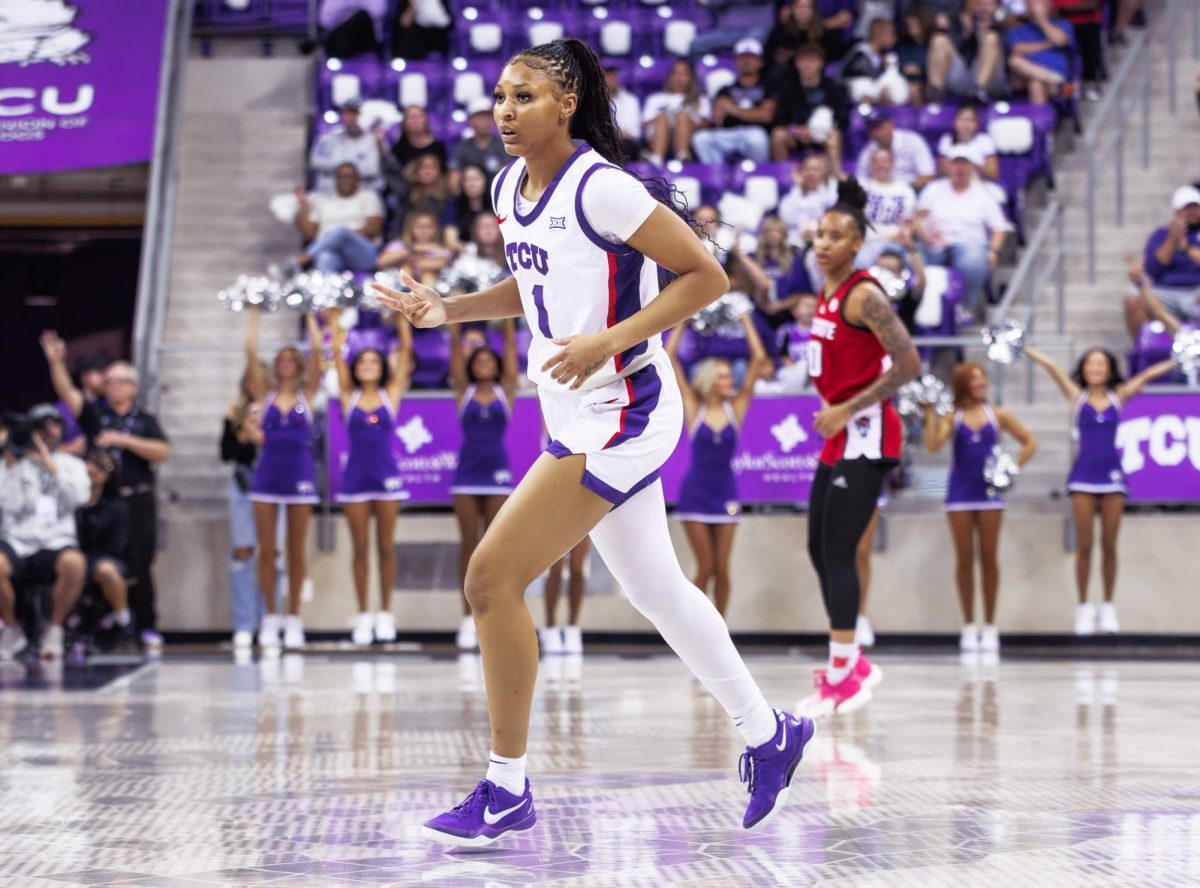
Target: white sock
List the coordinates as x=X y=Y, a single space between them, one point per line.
x=508 y=773
x=757 y=722
x=122 y=617
x=842 y=658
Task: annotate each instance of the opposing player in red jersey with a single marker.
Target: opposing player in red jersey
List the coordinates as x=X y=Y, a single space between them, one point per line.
x=859 y=355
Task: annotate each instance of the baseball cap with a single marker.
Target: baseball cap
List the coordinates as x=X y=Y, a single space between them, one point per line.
x=876 y=117
x=354 y=103
x=894 y=249
x=959 y=152
x=479 y=105
x=748 y=45
x=1185 y=196
x=42 y=412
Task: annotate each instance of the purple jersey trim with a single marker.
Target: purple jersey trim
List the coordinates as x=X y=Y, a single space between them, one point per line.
x=585 y=227
x=610 y=493
x=644 y=388
x=499 y=183
x=581 y=148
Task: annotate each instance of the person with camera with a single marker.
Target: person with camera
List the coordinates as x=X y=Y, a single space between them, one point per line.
x=39 y=493
x=135 y=441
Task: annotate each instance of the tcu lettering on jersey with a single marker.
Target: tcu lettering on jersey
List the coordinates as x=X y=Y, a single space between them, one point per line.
x=527 y=256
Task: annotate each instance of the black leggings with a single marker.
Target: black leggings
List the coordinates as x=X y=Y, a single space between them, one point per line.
x=840 y=507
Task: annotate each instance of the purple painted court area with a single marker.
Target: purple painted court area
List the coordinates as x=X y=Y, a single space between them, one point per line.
x=83 y=91
x=774 y=463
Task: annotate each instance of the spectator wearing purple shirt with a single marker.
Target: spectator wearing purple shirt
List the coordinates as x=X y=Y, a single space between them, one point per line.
x=1039 y=53
x=1172 y=261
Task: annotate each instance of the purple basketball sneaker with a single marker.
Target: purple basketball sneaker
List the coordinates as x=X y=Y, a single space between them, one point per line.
x=768 y=769
x=488 y=814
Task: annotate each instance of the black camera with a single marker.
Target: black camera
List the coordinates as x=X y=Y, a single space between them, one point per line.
x=20 y=429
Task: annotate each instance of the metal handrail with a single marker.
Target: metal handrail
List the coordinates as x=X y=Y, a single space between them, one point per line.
x=154 y=272
x=1051 y=225
x=1174 y=10
x=1105 y=134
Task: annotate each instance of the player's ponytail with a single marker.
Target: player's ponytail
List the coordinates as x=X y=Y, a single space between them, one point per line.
x=852 y=200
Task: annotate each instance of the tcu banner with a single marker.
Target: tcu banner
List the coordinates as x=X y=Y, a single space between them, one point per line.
x=775 y=460
x=1159 y=442
x=78 y=82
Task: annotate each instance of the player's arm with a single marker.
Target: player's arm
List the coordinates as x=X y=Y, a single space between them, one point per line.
x=869 y=307
x=665 y=239
x=424 y=307
x=1013 y=426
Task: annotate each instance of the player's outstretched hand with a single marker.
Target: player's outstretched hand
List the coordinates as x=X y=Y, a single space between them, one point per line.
x=422 y=305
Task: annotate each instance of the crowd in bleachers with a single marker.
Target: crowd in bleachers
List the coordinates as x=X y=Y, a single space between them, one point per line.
x=945 y=111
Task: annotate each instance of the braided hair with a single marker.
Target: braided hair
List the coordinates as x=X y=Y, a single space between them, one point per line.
x=574 y=66
x=852 y=200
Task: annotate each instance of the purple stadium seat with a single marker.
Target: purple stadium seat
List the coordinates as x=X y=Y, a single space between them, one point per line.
x=487 y=35
x=361 y=338
x=543 y=25
x=258 y=17
x=935 y=121
x=431 y=348
x=648 y=75
x=1153 y=345
x=713 y=180
x=339 y=79
x=404 y=82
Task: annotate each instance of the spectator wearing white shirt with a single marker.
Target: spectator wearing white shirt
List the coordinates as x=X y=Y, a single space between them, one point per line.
x=350 y=144
x=813 y=192
x=342 y=230
x=891 y=207
x=673 y=115
x=911 y=156
x=962 y=226
x=627 y=111
x=967 y=135
x=742 y=112
x=40 y=490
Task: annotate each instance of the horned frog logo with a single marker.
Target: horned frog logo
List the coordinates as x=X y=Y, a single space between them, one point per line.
x=414 y=434
x=789 y=433
x=34 y=31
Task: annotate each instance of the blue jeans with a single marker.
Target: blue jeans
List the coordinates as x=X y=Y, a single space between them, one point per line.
x=970 y=260
x=716 y=145
x=245 y=602
x=342 y=249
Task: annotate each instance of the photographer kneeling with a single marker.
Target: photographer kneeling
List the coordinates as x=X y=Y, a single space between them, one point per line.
x=103 y=526
x=39 y=493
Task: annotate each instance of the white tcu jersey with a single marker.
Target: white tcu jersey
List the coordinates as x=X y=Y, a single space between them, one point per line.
x=572 y=280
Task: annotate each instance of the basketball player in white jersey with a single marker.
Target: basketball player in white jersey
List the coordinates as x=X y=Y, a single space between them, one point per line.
x=584 y=240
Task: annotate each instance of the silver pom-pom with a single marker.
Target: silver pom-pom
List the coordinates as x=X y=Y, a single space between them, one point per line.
x=894 y=285
x=928 y=391
x=999 y=469
x=1186 y=349
x=724 y=316
x=1005 y=342
x=251 y=290
x=323 y=290
x=469 y=273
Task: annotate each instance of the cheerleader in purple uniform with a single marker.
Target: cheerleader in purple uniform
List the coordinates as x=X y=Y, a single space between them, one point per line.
x=370 y=388
x=1097 y=483
x=484 y=386
x=972 y=507
x=285 y=474
x=708 y=504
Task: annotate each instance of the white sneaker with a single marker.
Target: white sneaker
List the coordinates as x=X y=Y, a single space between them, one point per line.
x=363 y=632
x=385 y=626
x=1085 y=619
x=242 y=639
x=551 y=640
x=268 y=631
x=52 y=643
x=572 y=640
x=466 y=639
x=989 y=639
x=969 y=640
x=12 y=642
x=864 y=635
x=293 y=632
x=1109 y=624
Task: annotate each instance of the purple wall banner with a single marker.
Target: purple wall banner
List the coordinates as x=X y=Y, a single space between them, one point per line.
x=774 y=463
x=1159 y=442
x=78 y=83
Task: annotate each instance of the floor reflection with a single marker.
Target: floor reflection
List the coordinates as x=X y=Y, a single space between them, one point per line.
x=318 y=770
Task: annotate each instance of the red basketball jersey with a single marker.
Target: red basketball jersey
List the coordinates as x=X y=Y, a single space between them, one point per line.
x=844 y=359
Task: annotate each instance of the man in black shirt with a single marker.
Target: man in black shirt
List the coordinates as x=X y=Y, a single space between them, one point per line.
x=136 y=444
x=799 y=89
x=742 y=112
